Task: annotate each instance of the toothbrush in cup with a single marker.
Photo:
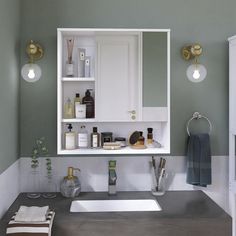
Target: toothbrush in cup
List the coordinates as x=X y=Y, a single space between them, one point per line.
x=155 y=172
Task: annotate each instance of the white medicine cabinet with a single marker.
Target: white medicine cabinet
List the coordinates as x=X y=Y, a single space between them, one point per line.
x=127 y=72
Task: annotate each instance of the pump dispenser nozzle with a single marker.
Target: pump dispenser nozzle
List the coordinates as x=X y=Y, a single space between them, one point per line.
x=69 y=127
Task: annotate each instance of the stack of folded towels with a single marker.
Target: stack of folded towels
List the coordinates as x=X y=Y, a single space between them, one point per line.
x=29 y=221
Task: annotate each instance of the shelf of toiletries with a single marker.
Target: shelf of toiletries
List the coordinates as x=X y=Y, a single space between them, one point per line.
x=86 y=139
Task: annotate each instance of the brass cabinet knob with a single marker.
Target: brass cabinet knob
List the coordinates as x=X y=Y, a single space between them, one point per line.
x=133 y=112
x=133 y=117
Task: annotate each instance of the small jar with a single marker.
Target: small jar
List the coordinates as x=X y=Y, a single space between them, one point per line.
x=141 y=139
x=121 y=140
x=106 y=137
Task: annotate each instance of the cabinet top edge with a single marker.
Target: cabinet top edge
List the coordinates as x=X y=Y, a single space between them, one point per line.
x=112 y=29
x=232 y=38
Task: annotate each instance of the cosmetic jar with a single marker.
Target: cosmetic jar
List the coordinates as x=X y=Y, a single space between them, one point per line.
x=121 y=140
x=106 y=137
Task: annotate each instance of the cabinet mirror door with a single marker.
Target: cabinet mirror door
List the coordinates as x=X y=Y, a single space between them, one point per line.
x=155 y=59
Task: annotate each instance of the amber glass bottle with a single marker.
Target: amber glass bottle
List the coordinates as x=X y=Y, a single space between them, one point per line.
x=89 y=102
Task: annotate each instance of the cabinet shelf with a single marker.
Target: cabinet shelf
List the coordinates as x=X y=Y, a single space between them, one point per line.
x=122 y=151
x=78 y=120
x=78 y=79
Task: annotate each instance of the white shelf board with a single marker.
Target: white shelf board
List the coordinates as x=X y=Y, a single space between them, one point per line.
x=78 y=120
x=122 y=151
x=233 y=131
x=78 y=79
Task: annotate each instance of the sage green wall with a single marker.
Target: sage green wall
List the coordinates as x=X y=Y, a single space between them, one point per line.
x=9 y=82
x=209 y=22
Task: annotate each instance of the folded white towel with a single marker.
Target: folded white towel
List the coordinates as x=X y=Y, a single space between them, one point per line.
x=31 y=214
x=31 y=228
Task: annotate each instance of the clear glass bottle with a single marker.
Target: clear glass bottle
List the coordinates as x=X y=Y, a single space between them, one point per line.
x=34 y=184
x=69 y=68
x=50 y=187
x=77 y=100
x=68 y=109
x=95 y=138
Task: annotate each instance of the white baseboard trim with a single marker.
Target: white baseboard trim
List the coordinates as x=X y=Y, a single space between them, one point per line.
x=10 y=186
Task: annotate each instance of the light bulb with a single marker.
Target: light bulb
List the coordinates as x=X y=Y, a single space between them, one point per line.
x=196 y=73
x=31 y=72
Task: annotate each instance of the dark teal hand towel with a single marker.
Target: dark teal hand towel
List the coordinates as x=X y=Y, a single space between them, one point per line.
x=199 y=160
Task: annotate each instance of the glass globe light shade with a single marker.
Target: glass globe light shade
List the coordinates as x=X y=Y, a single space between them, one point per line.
x=31 y=72
x=196 y=73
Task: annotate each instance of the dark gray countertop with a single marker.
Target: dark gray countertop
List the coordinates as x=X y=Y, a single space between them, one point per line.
x=184 y=213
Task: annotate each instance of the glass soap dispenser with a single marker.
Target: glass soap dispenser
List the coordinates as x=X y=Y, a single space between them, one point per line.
x=70 y=185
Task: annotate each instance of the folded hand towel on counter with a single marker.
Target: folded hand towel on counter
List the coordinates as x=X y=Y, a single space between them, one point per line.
x=42 y=228
x=199 y=160
x=31 y=214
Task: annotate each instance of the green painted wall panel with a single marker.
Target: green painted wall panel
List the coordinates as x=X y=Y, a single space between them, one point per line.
x=209 y=22
x=9 y=82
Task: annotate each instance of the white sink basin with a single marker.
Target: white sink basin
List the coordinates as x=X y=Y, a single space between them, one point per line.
x=114 y=205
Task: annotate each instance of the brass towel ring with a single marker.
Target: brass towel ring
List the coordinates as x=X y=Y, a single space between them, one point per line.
x=196 y=116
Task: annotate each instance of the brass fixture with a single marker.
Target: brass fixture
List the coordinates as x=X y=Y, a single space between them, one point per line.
x=31 y=72
x=191 y=51
x=34 y=51
x=195 y=72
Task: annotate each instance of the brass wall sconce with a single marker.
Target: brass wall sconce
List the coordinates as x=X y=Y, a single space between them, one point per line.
x=195 y=72
x=31 y=72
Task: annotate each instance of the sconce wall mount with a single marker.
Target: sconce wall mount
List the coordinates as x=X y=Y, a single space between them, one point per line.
x=195 y=72
x=34 y=51
x=31 y=72
x=191 y=51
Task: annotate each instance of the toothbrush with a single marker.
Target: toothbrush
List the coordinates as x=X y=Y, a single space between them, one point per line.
x=162 y=174
x=155 y=172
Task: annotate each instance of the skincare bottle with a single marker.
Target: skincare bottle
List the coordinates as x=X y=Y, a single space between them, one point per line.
x=82 y=137
x=149 y=136
x=89 y=102
x=87 y=66
x=80 y=110
x=95 y=138
x=81 y=59
x=141 y=139
x=68 y=109
x=69 y=138
x=77 y=99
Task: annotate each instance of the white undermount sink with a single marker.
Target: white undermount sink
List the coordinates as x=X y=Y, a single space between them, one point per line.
x=114 y=205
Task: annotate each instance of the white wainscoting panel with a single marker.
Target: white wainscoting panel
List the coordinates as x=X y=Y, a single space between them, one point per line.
x=133 y=174
x=10 y=187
